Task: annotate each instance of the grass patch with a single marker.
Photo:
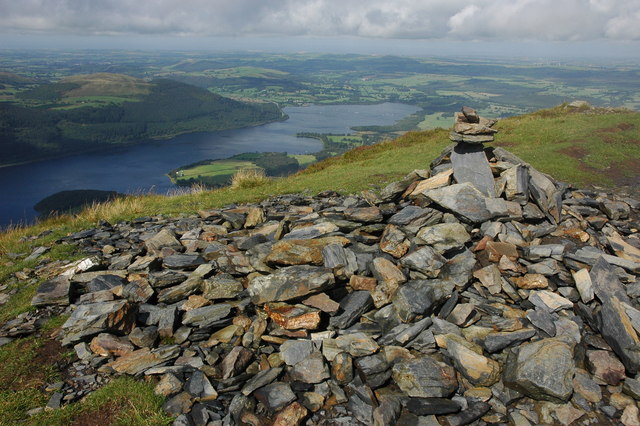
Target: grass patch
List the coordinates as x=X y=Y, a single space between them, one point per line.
x=124 y=401
x=249 y=178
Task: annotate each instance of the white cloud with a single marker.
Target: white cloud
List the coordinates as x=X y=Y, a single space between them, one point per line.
x=546 y=20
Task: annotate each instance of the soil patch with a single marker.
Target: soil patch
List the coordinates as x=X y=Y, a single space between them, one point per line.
x=621 y=127
x=105 y=415
x=574 y=151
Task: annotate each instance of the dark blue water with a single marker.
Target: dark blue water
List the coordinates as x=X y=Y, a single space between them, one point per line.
x=142 y=167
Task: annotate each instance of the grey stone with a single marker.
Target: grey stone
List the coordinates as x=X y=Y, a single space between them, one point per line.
x=222 y=286
x=163 y=239
x=312 y=369
x=421 y=297
x=183 y=261
x=144 y=337
x=290 y=283
x=53 y=292
x=425 y=377
x=261 y=379
x=432 y=406
x=614 y=323
x=88 y=320
x=470 y=165
x=445 y=236
x=497 y=341
x=341 y=260
x=425 y=260
x=353 y=306
x=105 y=282
x=464 y=200
x=206 y=315
x=473 y=412
x=294 y=351
x=313 y=231
x=542 y=370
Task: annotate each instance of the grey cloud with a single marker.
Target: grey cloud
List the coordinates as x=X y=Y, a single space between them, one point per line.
x=547 y=20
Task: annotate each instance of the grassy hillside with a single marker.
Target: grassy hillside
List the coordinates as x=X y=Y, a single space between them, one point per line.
x=85 y=112
x=580 y=146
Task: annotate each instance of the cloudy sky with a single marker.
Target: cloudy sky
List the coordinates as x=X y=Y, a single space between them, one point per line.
x=584 y=23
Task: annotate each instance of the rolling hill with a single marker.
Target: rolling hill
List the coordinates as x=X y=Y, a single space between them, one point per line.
x=92 y=111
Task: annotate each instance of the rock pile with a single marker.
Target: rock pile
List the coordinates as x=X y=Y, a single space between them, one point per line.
x=446 y=299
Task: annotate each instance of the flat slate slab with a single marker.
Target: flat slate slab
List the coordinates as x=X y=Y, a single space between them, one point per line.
x=470 y=164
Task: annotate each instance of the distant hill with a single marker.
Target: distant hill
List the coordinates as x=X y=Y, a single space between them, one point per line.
x=73 y=201
x=85 y=112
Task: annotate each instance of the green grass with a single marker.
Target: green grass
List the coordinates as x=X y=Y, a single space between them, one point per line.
x=304 y=159
x=215 y=168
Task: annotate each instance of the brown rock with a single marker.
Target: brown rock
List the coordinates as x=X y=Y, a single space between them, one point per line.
x=255 y=216
x=301 y=252
x=291 y=415
x=490 y=278
x=105 y=344
x=293 y=317
x=322 y=302
x=394 y=241
x=363 y=214
x=437 y=181
x=358 y=282
x=531 y=281
x=194 y=302
x=235 y=362
x=495 y=250
x=389 y=279
x=138 y=361
x=605 y=367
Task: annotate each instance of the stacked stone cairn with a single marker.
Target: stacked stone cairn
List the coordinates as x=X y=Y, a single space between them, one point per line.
x=480 y=291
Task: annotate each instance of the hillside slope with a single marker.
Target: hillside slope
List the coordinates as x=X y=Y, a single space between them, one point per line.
x=91 y=111
x=546 y=139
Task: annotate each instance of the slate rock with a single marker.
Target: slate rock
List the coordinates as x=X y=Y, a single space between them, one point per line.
x=425 y=377
x=465 y=201
x=353 y=306
x=261 y=379
x=421 y=297
x=88 y=320
x=221 y=286
x=476 y=368
x=138 y=361
x=425 y=260
x=55 y=291
x=312 y=231
x=444 y=236
x=165 y=238
x=290 y=283
x=144 y=337
x=470 y=165
x=311 y=369
x=542 y=370
x=207 y=315
x=104 y=282
x=497 y=341
x=432 y=406
x=613 y=322
x=179 y=404
x=183 y=261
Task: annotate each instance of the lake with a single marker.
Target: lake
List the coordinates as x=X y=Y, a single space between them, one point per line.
x=142 y=167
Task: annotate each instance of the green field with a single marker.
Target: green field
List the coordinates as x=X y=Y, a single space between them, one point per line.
x=216 y=169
